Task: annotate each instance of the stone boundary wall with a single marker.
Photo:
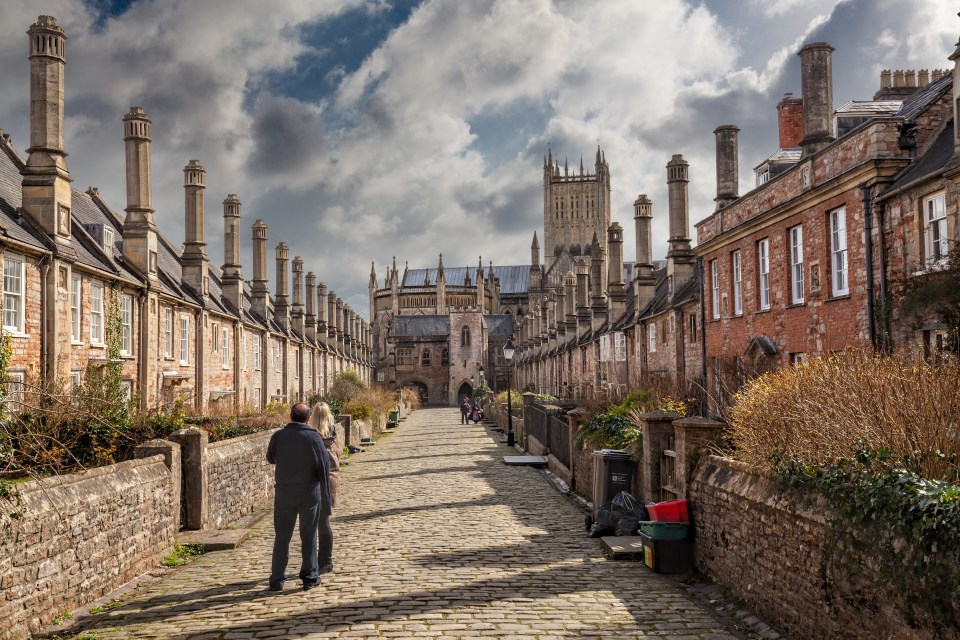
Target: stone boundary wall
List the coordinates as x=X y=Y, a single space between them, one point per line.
x=82 y=536
x=768 y=554
x=238 y=477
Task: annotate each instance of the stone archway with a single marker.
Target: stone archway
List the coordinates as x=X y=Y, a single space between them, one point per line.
x=465 y=390
x=421 y=390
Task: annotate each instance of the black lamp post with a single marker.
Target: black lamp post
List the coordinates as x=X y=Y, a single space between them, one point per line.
x=508 y=356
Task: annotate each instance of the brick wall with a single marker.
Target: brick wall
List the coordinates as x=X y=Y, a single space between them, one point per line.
x=768 y=554
x=82 y=536
x=238 y=477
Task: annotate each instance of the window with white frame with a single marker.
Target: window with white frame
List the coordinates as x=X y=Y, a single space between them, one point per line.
x=935 y=229
x=225 y=346
x=126 y=388
x=737 y=284
x=619 y=347
x=126 y=324
x=763 y=270
x=74 y=382
x=168 y=332
x=108 y=241
x=13 y=288
x=652 y=333
x=256 y=353
x=256 y=397
x=215 y=337
x=96 y=312
x=184 y=339
x=715 y=289
x=75 y=308
x=796 y=264
x=838 y=251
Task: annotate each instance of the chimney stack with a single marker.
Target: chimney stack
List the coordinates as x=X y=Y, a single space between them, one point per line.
x=644 y=281
x=232 y=278
x=195 y=245
x=583 y=293
x=570 y=302
x=311 y=296
x=296 y=310
x=680 y=257
x=322 y=313
x=617 y=293
x=46 y=195
x=790 y=121
x=332 y=319
x=953 y=165
x=281 y=304
x=259 y=293
x=816 y=75
x=727 y=165
x=139 y=229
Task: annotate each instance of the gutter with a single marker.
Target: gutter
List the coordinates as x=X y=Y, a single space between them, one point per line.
x=868 y=258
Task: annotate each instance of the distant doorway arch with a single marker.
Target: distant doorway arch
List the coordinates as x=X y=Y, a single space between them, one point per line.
x=464 y=390
x=421 y=390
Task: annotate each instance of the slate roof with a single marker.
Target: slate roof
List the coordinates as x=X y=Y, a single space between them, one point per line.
x=500 y=324
x=513 y=279
x=421 y=326
x=920 y=101
x=932 y=161
x=11 y=223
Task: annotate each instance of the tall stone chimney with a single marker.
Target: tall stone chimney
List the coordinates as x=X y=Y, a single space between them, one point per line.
x=259 y=293
x=322 y=313
x=296 y=311
x=332 y=319
x=680 y=257
x=232 y=277
x=311 y=297
x=790 y=121
x=584 y=314
x=617 y=293
x=727 y=165
x=816 y=77
x=281 y=302
x=46 y=196
x=342 y=328
x=195 y=245
x=954 y=164
x=570 y=302
x=644 y=281
x=139 y=229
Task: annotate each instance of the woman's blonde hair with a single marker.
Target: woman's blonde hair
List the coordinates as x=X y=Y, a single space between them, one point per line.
x=321 y=419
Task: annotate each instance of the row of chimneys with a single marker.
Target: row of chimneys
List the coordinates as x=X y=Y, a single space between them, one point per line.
x=910 y=77
x=47 y=198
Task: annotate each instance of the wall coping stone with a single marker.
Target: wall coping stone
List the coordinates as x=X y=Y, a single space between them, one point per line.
x=242 y=440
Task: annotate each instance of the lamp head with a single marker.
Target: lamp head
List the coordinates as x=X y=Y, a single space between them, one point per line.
x=508 y=351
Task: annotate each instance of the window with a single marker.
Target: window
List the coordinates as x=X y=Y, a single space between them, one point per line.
x=184 y=339
x=74 y=382
x=296 y=369
x=13 y=277
x=256 y=353
x=737 y=284
x=605 y=348
x=404 y=357
x=108 y=241
x=215 y=337
x=243 y=350
x=935 y=228
x=715 y=289
x=126 y=324
x=15 y=389
x=652 y=332
x=256 y=397
x=796 y=264
x=465 y=337
x=168 y=332
x=445 y=358
x=96 y=312
x=225 y=346
x=619 y=347
x=693 y=327
x=763 y=269
x=798 y=358
x=75 y=308
x=425 y=358
x=838 y=251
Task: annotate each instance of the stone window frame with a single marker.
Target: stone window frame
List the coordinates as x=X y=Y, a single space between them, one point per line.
x=736 y=271
x=405 y=356
x=445 y=358
x=225 y=345
x=184 y=339
x=935 y=237
x=97 y=314
x=465 y=336
x=425 y=358
x=652 y=337
x=14 y=262
x=215 y=337
x=15 y=391
x=257 y=355
x=839 y=258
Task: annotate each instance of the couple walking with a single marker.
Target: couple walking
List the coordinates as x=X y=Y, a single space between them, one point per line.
x=307 y=483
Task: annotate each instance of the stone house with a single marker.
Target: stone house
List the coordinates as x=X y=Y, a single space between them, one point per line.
x=184 y=329
x=795 y=268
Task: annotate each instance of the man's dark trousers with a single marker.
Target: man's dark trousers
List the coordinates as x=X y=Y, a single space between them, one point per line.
x=286 y=510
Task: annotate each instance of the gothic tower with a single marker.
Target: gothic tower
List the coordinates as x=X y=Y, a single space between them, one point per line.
x=575 y=207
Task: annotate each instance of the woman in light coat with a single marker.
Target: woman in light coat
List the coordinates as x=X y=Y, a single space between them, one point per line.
x=321 y=419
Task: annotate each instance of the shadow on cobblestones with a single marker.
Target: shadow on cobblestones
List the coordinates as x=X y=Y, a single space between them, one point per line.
x=422 y=472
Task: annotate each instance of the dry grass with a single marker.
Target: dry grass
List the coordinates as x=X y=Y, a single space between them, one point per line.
x=830 y=407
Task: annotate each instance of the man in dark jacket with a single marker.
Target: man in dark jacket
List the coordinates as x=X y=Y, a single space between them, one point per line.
x=301 y=491
x=465 y=409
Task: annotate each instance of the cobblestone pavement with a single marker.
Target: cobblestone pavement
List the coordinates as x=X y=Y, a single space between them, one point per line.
x=435 y=538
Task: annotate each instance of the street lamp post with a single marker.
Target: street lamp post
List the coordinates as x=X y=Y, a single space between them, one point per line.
x=508 y=356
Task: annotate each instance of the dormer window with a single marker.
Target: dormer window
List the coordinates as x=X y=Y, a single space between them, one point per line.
x=108 y=241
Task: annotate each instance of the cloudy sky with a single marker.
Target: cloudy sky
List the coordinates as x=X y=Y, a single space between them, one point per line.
x=363 y=129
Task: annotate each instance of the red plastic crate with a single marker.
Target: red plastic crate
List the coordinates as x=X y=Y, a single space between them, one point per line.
x=670 y=511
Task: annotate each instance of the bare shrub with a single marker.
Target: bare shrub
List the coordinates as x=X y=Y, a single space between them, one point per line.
x=831 y=407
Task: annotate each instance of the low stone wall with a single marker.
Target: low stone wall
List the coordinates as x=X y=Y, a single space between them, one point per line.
x=238 y=478
x=81 y=537
x=768 y=554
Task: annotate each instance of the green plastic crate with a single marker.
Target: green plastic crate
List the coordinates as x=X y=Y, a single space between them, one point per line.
x=665 y=530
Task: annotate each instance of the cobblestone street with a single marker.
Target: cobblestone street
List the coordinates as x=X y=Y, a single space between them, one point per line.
x=435 y=538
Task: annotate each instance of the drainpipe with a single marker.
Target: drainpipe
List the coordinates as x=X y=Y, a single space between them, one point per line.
x=703 y=334
x=868 y=256
x=143 y=342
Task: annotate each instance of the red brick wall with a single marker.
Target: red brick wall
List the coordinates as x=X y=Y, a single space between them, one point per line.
x=790 y=121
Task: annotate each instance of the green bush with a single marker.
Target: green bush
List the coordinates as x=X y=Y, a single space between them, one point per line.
x=609 y=431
